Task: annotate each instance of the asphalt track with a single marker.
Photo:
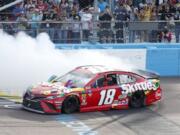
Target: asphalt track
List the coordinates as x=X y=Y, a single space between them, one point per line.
x=162 y=118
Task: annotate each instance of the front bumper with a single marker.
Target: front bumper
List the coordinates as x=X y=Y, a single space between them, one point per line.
x=32 y=110
x=32 y=105
x=39 y=106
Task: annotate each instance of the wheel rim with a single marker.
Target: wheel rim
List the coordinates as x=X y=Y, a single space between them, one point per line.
x=71 y=106
x=137 y=99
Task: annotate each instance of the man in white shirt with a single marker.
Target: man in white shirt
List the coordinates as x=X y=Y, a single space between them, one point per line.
x=86 y=19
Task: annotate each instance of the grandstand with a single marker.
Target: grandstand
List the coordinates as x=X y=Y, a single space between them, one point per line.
x=103 y=21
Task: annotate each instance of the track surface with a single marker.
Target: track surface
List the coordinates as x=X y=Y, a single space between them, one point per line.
x=162 y=118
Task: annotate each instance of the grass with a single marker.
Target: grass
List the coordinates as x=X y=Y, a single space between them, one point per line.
x=13 y=98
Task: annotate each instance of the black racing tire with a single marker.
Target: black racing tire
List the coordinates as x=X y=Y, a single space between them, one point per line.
x=137 y=99
x=70 y=105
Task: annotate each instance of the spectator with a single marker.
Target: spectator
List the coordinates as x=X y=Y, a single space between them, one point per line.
x=42 y=6
x=75 y=10
x=49 y=18
x=153 y=33
x=22 y=22
x=154 y=16
x=106 y=34
x=137 y=2
x=19 y=9
x=29 y=4
x=121 y=15
x=177 y=25
x=165 y=35
x=144 y=15
x=53 y=10
x=133 y=17
x=76 y=29
x=102 y=5
x=63 y=34
x=85 y=3
x=86 y=18
x=36 y=18
x=57 y=2
x=63 y=5
x=29 y=13
x=164 y=15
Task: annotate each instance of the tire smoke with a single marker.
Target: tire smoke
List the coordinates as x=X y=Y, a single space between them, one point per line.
x=25 y=60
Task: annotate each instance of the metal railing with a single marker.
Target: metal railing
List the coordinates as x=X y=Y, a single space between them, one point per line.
x=99 y=31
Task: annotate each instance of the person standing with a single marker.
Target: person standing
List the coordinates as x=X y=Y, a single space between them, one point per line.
x=86 y=18
x=106 y=33
x=177 y=25
x=121 y=16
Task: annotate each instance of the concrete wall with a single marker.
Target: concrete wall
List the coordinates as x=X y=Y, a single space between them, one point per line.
x=163 y=58
x=164 y=61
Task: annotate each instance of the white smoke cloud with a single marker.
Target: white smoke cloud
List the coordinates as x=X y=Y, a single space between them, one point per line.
x=25 y=60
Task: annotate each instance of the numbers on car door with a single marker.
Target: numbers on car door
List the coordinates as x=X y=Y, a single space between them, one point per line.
x=107 y=96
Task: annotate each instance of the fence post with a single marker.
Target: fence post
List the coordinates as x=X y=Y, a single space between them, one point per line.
x=81 y=32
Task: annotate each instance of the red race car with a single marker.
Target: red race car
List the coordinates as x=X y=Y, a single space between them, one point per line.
x=93 y=88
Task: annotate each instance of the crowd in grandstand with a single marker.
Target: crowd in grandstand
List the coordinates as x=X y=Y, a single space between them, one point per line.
x=61 y=19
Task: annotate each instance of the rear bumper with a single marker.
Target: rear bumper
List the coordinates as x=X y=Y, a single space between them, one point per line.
x=154 y=96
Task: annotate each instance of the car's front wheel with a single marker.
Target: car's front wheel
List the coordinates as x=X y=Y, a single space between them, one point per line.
x=70 y=105
x=137 y=99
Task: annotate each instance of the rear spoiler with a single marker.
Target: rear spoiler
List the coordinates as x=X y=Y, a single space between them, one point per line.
x=147 y=74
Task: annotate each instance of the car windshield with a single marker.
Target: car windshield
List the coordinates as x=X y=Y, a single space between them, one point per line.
x=75 y=79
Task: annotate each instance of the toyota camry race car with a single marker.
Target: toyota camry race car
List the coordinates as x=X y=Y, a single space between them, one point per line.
x=93 y=88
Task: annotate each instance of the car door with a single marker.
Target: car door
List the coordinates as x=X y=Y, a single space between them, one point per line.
x=105 y=91
x=124 y=78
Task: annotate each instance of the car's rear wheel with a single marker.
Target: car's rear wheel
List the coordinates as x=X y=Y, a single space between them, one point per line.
x=70 y=105
x=137 y=99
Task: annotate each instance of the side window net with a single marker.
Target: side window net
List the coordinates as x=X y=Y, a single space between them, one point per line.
x=112 y=79
x=99 y=83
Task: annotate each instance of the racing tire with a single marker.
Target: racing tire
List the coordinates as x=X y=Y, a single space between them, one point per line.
x=70 y=105
x=137 y=99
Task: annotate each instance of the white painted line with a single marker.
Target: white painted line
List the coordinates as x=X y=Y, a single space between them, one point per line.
x=76 y=125
x=15 y=106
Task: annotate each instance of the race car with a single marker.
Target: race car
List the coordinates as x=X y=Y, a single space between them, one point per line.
x=93 y=88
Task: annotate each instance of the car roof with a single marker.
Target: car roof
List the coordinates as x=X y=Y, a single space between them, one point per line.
x=96 y=69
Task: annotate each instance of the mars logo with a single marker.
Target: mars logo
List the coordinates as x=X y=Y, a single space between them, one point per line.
x=149 y=85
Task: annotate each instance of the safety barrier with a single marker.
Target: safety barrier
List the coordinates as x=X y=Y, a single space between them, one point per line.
x=104 y=32
x=163 y=58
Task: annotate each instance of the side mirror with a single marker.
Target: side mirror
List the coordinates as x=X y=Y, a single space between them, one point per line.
x=52 y=78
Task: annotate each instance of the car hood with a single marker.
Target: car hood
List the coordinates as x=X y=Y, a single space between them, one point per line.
x=48 y=89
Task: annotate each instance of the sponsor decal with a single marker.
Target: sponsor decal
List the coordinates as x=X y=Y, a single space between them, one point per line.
x=158 y=94
x=62 y=95
x=148 y=85
x=83 y=97
x=115 y=102
x=120 y=102
x=89 y=92
x=123 y=102
x=122 y=96
x=147 y=92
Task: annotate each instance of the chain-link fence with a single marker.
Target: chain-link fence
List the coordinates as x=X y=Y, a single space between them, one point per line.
x=99 y=31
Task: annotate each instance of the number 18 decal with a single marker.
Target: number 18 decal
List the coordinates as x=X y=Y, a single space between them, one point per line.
x=107 y=96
